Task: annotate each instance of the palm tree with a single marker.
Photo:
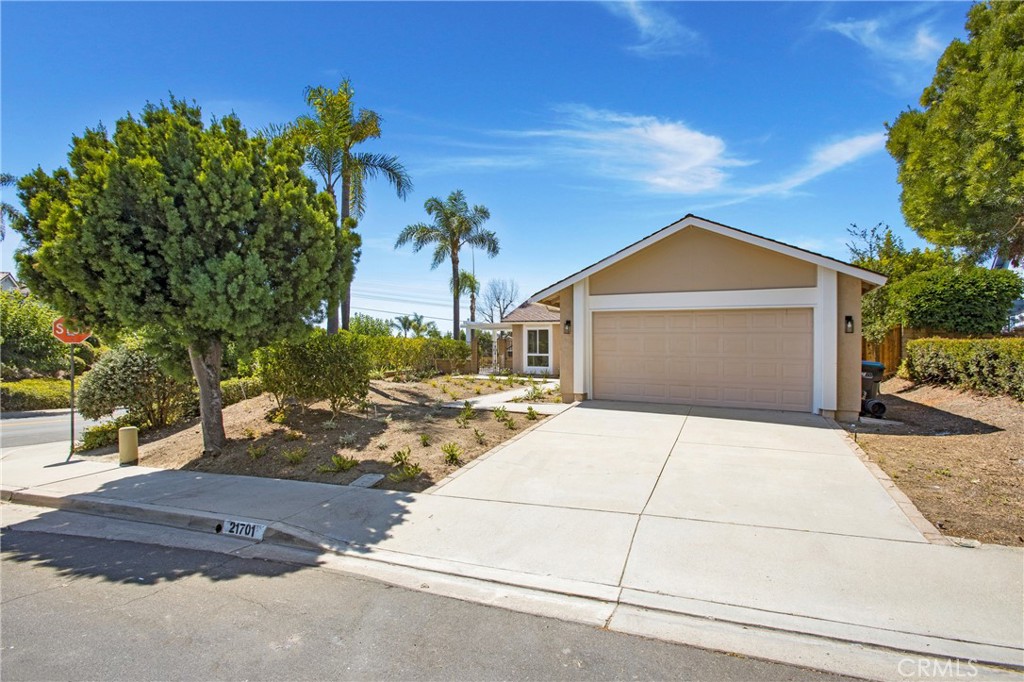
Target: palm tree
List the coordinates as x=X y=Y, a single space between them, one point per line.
x=7 y=211
x=329 y=135
x=403 y=323
x=421 y=328
x=469 y=284
x=454 y=226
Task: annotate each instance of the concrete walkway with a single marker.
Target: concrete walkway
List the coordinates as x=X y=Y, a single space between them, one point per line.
x=758 y=533
x=507 y=400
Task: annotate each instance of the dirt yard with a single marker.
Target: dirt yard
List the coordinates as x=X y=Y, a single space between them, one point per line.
x=959 y=456
x=401 y=416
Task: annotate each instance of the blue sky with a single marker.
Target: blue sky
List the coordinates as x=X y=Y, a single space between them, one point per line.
x=581 y=126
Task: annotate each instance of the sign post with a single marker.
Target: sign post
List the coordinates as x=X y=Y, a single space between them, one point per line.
x=67 y=331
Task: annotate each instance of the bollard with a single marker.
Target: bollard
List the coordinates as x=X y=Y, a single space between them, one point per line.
x=128 y=445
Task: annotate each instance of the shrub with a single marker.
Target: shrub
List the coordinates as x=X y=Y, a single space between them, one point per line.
x=26 y=335
x=425 y=440
x=130 y=378
x=399 y=354
x=401 y=457
x=480 y=436
x=993 y=366
x=405 y=472
x=239 y=389
x=531 y=414
x=295 y=455
x=256 y=451
x=452 y=454
x=35 y=394
x=338 y=464
x=331 y=367
x=962 y=300
x=105 y=434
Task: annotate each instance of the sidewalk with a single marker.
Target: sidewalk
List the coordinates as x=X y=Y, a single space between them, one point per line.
x=832 y=603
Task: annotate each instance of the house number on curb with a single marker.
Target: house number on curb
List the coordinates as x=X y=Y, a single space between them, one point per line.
x=242 y=529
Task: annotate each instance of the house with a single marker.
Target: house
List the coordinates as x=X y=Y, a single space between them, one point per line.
x=9 y=283
x=532 y=330
x=700 y=313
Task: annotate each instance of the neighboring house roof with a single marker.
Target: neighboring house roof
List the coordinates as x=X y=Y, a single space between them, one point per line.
x=9 y=283
x=691 y=220
x=533 y=312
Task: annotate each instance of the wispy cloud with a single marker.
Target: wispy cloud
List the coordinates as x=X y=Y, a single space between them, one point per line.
x=822 y=160
x=660 y=33
x=900 y=41
x=659 y=154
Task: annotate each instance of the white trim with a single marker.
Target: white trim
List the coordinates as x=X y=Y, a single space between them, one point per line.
x=580 y=339
x=693 y=221
x=826 y=341
x=549 y=368
x=486 y=326
x=697 y=300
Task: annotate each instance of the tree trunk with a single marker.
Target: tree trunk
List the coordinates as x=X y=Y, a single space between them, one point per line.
x=332 y=313
x=455 y=294
x=472 y=332
x=206 y=368
x=346 y=294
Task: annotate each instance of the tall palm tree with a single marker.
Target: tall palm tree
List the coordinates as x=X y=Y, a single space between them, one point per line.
x=455 y=225
x=329 y=135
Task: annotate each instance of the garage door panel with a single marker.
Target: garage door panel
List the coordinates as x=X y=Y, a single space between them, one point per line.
x=733 y=358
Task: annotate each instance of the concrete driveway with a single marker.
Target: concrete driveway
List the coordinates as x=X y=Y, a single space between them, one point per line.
x=752 y=468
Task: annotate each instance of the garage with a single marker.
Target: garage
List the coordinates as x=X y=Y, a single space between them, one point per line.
x=700 y=313
x=749 y=358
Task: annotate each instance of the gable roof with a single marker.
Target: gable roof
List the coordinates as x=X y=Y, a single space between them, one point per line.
x=691 y=220
x=533 y=312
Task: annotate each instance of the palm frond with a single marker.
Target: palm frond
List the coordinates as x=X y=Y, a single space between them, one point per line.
x=390 y=167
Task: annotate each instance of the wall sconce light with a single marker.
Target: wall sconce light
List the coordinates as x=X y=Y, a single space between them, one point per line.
x=568 y=327
x=849 y=324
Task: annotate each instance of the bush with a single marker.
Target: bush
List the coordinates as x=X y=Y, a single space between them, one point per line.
x=399 y=354
x=26 y=335
x=105 y=434
x=240 y=388
x=35 y=394
x=993 y=366
x=961 y=300
x=327 y=367
x=128 y=377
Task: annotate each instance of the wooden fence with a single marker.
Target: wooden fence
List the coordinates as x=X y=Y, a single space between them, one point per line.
x=889 y=351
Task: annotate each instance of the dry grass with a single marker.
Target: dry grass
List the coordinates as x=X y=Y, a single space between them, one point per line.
x=959 y=456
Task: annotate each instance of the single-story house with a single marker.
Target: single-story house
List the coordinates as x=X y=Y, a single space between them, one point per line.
x=701 y=313
x=533 y=338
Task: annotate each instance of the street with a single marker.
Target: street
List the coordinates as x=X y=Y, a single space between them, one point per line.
x=83 y=608
x=46 y=426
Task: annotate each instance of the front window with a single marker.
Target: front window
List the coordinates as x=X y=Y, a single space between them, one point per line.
x=537 y=348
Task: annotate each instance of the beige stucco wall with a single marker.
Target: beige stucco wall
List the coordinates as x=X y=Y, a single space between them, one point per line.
x=519 y=346
x=698 y=260
x=564 y=343
x=848 y=353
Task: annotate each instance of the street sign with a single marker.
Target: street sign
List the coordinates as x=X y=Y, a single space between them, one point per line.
x=68 y=332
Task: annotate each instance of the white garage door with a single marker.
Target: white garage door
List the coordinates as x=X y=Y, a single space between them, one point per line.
x=757 y=358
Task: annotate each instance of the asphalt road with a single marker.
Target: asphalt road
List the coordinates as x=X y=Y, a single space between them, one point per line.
x=77 y=608
x=31 y=428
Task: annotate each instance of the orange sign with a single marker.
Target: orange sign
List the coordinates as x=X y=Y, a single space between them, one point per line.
x=68 y=332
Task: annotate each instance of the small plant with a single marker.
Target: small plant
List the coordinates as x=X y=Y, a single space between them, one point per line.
x=531 y=414
x=329 y=425
x=467 y=412
x=425 y=440
x=290 y=435
x=480 y=436
x=339 y=463
x=461 y=422
x=250 y=434
x=433 y=384
x=278 y=416
x=406 y=472
x=382 y=445
x=347 y=440
x=477 y=391
x=510 y=424
x=452 y=454
x=401 y=457
x=944 y=472
x=256 y=451
x=500 y=413
x=535 y=393
x=295 y=455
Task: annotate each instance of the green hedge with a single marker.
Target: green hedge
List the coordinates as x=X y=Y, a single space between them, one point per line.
x=35 y=394
x=238 y=389
x=395 y=353
x=106 y=433
x=993 y=366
